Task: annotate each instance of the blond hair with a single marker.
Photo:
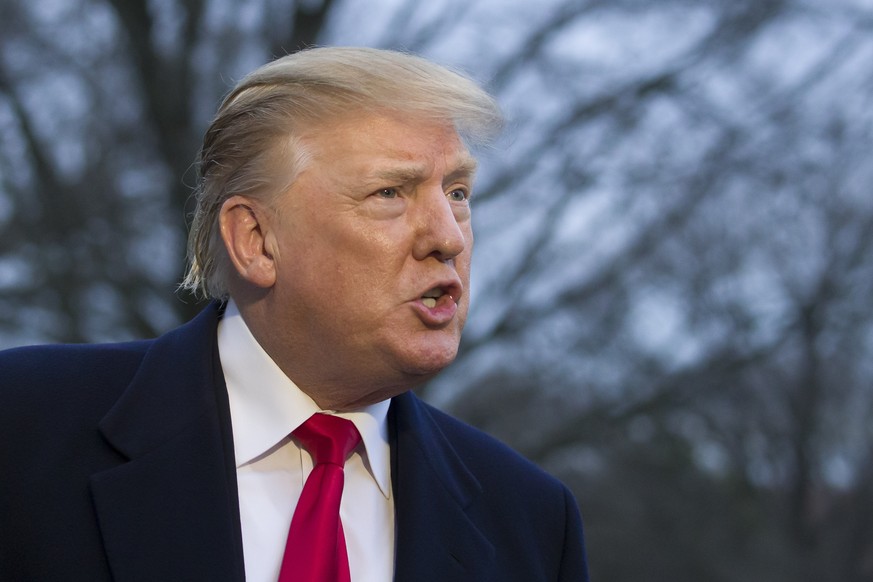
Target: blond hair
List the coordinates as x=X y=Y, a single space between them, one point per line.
x=256 y=128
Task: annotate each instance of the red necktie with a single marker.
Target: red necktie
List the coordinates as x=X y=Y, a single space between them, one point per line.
x=316 y=547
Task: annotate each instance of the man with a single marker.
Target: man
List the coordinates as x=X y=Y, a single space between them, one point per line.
x=333 y=230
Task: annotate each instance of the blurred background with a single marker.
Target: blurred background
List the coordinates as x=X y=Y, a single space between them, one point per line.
x=673 y=282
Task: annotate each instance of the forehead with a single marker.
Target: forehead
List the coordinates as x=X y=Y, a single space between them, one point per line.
x=383 y=142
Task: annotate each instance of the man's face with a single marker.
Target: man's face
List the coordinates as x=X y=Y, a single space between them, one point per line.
x=372 y=251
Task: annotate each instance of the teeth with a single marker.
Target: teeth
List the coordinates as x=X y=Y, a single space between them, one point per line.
x=436 y=293
x=429 y=302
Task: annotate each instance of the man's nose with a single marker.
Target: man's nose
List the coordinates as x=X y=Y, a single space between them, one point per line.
x=439 y=233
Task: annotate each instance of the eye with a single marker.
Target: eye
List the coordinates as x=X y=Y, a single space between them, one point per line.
x=387 y=193
x=458 y=195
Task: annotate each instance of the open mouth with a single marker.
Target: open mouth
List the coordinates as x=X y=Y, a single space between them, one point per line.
x=432 y=297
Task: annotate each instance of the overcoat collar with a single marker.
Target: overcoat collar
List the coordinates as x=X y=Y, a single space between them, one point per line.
x=171 y=512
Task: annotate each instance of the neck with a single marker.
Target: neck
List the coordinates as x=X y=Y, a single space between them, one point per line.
x=333 y=383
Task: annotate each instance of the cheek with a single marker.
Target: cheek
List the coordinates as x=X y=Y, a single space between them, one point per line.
x=462 y=261
x=467 y=229
x=357 y=262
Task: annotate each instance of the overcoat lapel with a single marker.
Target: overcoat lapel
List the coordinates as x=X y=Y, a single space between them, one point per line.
x=171 y=512
x=436 y=537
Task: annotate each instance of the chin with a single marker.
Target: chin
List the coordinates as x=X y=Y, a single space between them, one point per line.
x=429 y=364
x=419 y=357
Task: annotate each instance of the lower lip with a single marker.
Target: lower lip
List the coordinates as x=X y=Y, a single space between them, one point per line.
x=440 y=314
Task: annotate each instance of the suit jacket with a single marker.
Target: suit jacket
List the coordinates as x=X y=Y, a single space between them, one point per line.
x=116 y=463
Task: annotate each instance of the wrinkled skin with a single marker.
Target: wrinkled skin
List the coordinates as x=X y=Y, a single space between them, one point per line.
x=378 y=217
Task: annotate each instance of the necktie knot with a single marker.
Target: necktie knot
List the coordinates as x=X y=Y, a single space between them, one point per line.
x=329 y=439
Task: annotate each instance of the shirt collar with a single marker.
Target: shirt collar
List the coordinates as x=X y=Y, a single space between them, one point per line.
x=265 y=405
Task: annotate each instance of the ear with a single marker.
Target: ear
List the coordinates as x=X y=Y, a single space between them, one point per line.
x=244 y=231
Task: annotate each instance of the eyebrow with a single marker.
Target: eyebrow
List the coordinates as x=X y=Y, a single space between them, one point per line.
x=466 y=167
x=401 y=175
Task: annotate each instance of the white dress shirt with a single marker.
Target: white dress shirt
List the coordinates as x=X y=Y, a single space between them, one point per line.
x=265 y=406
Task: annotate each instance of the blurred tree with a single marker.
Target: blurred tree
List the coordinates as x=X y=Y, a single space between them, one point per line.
x=672 y=304
x=680 y=292
x=102 y=106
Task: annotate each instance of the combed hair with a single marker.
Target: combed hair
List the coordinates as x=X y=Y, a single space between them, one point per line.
x=252 y=146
